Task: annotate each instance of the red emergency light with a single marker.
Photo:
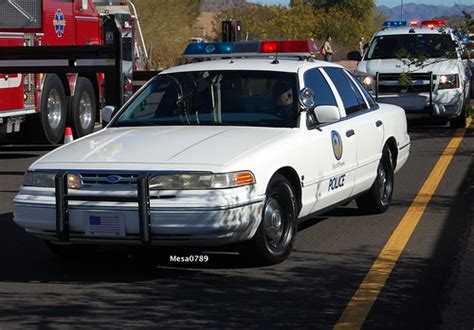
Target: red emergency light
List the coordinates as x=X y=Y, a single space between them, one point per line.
x=432 y=23
x=290 y=46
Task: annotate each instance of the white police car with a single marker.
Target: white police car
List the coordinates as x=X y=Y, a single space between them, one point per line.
x=439 y=83
x=221 y=151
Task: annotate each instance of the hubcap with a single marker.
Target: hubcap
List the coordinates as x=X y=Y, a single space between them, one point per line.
x=385 y=184
x=54 y=109
x=276 y=226
x=85 y=110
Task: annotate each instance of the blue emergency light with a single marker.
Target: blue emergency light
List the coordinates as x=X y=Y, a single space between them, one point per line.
x=394 y=23
x=207 y=49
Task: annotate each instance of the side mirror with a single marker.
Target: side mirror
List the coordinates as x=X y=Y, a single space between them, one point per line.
x=354 y=56
x=84 y=5
x=327 y=113
x=107 y=114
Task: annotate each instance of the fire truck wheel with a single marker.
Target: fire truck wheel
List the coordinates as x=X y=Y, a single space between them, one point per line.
x=53 y=109
x=83 y=108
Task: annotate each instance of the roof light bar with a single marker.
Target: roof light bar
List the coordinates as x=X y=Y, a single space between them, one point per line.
x=250 y=48
x=414 y=22
x=394 y=23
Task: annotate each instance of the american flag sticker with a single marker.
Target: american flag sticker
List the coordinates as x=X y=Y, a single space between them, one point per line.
x=104 y=225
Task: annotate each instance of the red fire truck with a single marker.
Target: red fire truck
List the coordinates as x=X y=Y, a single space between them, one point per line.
x=41 y=105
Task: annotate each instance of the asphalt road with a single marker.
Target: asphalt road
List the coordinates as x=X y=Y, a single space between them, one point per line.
x=333 y=253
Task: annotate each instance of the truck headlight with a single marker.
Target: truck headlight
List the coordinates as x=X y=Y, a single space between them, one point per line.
x=448 y=81
x=201 y=181
x=46 y=180
x=366 y=80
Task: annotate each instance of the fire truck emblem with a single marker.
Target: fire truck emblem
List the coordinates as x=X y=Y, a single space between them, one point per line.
x=59 y=23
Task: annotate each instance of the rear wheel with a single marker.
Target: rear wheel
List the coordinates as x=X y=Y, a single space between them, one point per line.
x=378 y=198
x=83 y=108
x=48 y=125
x=276 y=233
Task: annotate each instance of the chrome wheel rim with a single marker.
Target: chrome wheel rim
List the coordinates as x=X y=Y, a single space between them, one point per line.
x=385 y=185
x=275 y=224
x=54 y=110
x=85 y=110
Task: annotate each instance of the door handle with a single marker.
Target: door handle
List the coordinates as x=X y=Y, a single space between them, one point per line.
x=350 y=132
x=378 y=123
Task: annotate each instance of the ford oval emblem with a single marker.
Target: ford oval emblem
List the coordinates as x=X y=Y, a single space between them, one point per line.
x=113 y=178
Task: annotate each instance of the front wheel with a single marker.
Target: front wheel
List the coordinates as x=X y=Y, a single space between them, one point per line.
x=276 y=233
x=461 y=120
x=379 y=196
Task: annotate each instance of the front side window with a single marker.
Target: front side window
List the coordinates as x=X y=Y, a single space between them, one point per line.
x=351 y=98
x=411 y=46
x=315 y=80
x=237 y=98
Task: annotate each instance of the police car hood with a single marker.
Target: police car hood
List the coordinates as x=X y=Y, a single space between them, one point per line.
x=161 y=148
x=437 y=66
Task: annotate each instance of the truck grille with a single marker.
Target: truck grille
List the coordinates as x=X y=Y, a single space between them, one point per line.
x=20 y=14
x=119 y=180
x=389 y=83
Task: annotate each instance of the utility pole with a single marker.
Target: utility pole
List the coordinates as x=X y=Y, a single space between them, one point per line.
x=401 y=10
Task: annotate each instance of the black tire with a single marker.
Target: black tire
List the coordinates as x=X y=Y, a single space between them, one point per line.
x=82 y=112
x=461 y=120
x=276 y=233
x=377 y=199
x=53 y=112
x=71 y=251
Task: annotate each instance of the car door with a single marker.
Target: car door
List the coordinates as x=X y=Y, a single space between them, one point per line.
x=334 y=160
x=366 y=122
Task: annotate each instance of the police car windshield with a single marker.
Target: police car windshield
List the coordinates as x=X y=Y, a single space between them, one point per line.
x=411 y=46
x=240 y=98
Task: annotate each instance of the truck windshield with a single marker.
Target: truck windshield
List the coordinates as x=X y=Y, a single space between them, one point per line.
x=411 y=45
x=240 y=98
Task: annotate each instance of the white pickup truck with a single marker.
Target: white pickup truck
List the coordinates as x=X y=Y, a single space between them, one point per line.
x=434 y=62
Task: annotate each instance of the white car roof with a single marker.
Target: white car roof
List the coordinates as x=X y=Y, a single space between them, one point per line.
x=256 y=64
x=406 y=30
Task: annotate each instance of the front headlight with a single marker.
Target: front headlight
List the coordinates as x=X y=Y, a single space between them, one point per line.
x=39 y=179
x=46 y=180
x=366 y=80
x=201 y=181
x=448 y=81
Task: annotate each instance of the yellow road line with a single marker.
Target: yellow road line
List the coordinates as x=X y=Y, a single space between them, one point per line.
x=361 y=303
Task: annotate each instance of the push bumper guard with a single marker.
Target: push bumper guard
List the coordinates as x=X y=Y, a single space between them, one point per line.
x=429 y=74
x=63 y=198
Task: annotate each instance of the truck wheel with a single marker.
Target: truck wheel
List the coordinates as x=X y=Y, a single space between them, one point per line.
x=53 y=109
x=461 y=120
x=276 y=233
x=83 y=108
x=379 y=196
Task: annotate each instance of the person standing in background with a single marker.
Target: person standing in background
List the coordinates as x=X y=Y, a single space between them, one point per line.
x=328 y=49
x=361 y=46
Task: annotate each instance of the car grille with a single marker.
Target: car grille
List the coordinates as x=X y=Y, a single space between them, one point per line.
x=118 y=180
x=389 y=83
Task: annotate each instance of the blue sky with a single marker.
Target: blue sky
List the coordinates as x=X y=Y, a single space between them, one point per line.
x=389 y=3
